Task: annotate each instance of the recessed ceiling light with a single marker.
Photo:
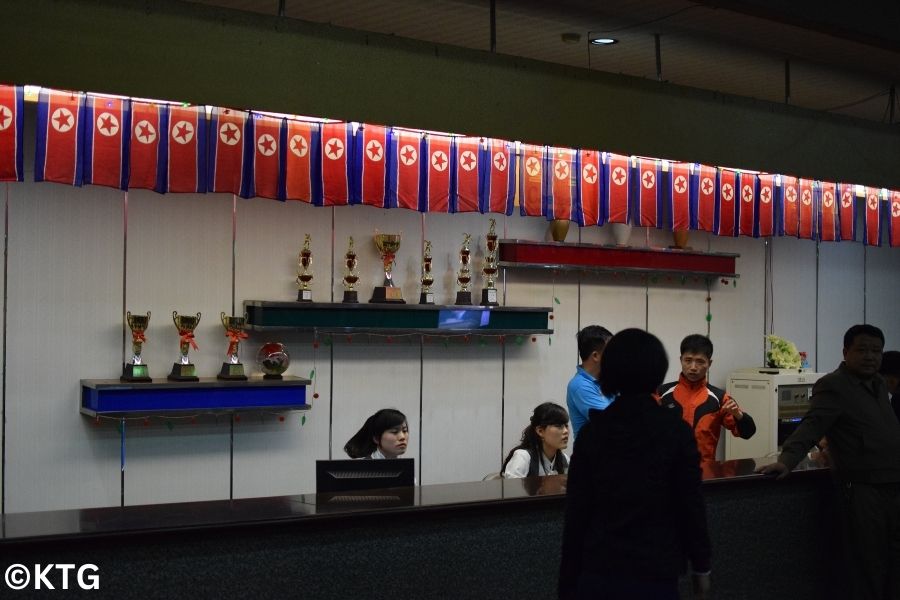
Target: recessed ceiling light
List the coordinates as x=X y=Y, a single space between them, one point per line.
x=603 y=41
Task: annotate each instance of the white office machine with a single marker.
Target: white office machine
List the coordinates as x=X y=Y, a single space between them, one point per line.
x=777 y=399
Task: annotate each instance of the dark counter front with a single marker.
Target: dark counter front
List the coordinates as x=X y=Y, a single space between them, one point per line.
x=494 y=539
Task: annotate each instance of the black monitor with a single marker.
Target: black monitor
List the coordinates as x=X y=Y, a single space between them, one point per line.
x=361 y=474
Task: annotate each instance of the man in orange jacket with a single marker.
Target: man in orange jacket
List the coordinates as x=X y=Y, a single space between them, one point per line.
x=705 y=408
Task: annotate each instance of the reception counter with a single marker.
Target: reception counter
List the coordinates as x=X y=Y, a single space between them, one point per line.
x=490 y=539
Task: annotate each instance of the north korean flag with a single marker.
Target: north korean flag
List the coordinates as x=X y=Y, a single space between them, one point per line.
x=230 y=152
x=873 y=217
x=187 y=149
x=647 y=174
x=148 y=148
x=726 y=198
x=268 y=136
x=706 y=198
x=805 y=206
x=790 y=212
x=588 y=193
x=562 y=187
x=894 y=229
x=465 y=174
x=331 y=183
x=60 y=145
x=499 y=186
x=370 y=185
x=302 y=150
x=747 y=204
x=106 y=141
x=11 y=132
x=766 y=206
x=438 y=149
x=827 y=205
x=682 y=187
x=846 y=193
x=532 y=188
x=405 y=175
x=616 y=203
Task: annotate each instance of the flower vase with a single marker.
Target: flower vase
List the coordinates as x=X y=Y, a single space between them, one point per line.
x=680 y=238
x=621 y=232
x=559 y=228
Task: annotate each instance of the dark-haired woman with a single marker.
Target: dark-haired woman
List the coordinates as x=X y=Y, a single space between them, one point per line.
x=384 y=435
x=540 y=451
x=634 y=512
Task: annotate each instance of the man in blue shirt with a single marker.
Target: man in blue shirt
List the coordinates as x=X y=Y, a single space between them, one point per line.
x=583 y=392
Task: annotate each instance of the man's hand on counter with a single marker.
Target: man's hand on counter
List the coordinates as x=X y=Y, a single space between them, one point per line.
x=779 y=470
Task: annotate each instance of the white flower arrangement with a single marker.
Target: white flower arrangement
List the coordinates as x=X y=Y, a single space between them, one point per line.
x=782 y=353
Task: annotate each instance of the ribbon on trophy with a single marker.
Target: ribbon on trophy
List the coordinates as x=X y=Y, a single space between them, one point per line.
x=138 y=337
x=187 y=337
x=234 y=336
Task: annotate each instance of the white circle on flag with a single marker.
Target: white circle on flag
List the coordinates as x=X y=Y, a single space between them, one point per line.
x=680 y=184
x=873 y=202
x=183 y=132
x=895 y=209
x=468 y=160
x=589 y=173
x=765 y=194
x=230 y=134
x=846 y=199
x=648 y=179
x=107 y=124
x=500 y=161
x=747 y=193
x=408 y=155
x=532 y=166
x=618 y=175
x=727 y=192
x=62 y=120
x=829 y=199
x=5 y=117
x=791 y=195
x=439 y=161
x=707 y=186
x=299 y=146
x=374 y=150
x=562 y=170
x=266 y=144
x=145 y=132
x=807 y=197
x=334 y=148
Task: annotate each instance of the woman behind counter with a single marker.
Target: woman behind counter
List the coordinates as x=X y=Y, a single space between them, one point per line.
x=384 y=435
x=540 y=451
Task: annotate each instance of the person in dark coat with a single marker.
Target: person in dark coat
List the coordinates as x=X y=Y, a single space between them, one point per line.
x=634 y=512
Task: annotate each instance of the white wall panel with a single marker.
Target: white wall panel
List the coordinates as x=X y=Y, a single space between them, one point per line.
x=841 y=299
x=794 y=276
x=882 y=283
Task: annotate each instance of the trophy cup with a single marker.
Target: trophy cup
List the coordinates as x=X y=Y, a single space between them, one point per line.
x=183 y=370
x=305 y=276
x=464 y=276
x=232 y=368
x=351 y=275
x=489 y=268
x=136 y=370
x=388 y=244
x=427 y=297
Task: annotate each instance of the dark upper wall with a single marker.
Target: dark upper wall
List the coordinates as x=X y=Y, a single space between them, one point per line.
x=175 y=50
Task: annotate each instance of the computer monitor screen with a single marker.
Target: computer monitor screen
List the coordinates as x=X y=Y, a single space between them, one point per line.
x=347 y=475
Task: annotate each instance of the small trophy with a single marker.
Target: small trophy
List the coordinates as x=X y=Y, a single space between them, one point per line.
x=351 y=275
x=388 y=244
x=464 y=276
x=489 y=268
x=427 y=296
x=232 y=368
x=183 y=370
x=305 y=276
x=136 y=370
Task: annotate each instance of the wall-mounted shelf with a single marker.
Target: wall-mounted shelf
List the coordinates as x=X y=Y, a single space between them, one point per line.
x=112 y=398
x=592 y=257
x=396 y=319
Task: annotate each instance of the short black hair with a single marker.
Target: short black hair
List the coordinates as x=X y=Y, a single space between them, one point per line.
x=592 y=338
x=633 y=362
x=862 y=329
x=890 y=363
x=697 y=344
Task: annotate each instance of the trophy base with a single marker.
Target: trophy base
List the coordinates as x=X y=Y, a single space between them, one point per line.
x=182 y=372
x=464 y=298
x=232 y=372
x=351 y=297
x=276 y=377
x=304 y=296
x=426 y=298
x=135 y=373
x=489 y=297
x=385 y=294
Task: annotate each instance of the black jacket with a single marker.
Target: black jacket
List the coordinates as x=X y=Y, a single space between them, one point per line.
x=633 y=502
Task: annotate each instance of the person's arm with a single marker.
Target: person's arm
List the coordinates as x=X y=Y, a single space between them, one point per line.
x=517 y=467
x=578 y=506
x=694 y=530
x=587 y=395
x=739 y=423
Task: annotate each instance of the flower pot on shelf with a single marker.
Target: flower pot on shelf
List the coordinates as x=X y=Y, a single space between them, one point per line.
x=559 y=229
x=680 y=238
x=621 y=233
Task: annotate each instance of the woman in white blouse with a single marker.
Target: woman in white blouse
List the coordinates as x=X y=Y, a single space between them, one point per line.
x=540 y=452
x=384 y=435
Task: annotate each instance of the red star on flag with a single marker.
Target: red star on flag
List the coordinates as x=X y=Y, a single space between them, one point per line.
x=589 y=173
x=648 y=178
x=500 y=161
x=439 y=161
x=748 y=193
x=829 y=199
x=680 y=184
x=266 y=145
x=145 y=132
x=562 y=170
x=335 y=149
x=5 y=117
x=183 y=132
x=791 y=195
x=766 y=194
x=230 y=134
x=533 y=166
x=707 y=185
x=845 y=199
x=108 y=124
x=619 y=175
x=62 y=118
x=727 y=192
x=468 y=160
x=374 y=150
x=408 y=155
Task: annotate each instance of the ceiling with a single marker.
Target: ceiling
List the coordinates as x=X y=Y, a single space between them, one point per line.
x=756 y=48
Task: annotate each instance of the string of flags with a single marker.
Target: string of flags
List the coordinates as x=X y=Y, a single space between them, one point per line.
x=125 y=143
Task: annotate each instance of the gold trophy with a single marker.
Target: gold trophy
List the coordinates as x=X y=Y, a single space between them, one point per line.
x=183 y=370
x=489 y=268
x=351 y=275
x=464 y=276
x=305 y=276
x=427 y=296
x=234 y=330
x=388 y=244
x=136 y=370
